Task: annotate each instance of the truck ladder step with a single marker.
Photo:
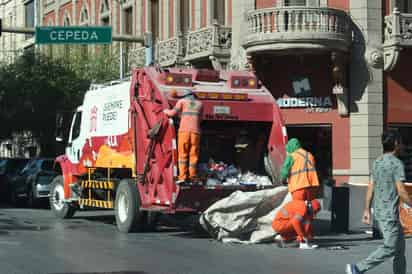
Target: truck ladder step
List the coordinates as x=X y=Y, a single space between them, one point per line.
x=97 y=184
x=96 y=203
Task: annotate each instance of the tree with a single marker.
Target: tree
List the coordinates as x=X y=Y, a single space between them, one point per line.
x=32 y=91
x=99 y=64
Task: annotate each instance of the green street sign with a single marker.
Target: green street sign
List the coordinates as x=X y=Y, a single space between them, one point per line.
x=73 y=35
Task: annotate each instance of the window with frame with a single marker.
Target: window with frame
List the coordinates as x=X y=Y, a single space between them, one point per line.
x=76 y=125
x=219 y=12
x=104 y=6
x=184 y=16
x=155 y=18
x=288 y=3
x=29 y=16
x=128 y=20
x=84 y=17
x=66 y=21
x=404 y=6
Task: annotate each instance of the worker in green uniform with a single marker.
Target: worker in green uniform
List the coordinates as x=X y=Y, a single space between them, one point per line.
x=386 y=189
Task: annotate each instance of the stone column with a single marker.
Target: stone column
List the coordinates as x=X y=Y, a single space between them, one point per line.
x=93 y=17
x=209 y=12
x=239 y=27
x=366 y=89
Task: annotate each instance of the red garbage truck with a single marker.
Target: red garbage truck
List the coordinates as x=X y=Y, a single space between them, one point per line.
x=122 y=148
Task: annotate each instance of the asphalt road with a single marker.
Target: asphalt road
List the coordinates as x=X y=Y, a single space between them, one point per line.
x=33 y=241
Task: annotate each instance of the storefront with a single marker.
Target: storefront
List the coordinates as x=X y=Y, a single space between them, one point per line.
x=302 y=86
x=399 y=106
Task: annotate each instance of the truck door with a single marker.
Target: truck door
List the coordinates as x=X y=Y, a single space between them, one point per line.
x=75 y=142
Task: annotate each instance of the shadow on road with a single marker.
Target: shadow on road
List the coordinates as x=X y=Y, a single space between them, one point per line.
x=117 y=272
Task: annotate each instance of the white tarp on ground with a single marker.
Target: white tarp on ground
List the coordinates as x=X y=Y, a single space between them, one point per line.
x=245 y=217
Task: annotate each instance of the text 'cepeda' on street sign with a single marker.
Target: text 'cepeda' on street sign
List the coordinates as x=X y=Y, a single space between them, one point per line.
x=74 y=35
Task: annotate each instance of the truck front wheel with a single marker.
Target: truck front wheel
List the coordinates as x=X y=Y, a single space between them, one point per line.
x=129 y=218
x=59 y=207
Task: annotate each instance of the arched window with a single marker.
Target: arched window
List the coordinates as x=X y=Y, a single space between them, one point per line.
x=105 y=12
x=104 y=6
x=84 y=16
x=66 y=21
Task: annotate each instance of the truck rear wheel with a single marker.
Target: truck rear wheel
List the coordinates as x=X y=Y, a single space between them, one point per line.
x=129 y=218
x=60 y=208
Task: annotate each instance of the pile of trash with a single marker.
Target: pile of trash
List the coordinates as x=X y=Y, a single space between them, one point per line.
x=221 y=173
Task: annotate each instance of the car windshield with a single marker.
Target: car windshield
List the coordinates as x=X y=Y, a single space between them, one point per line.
x=12 y=166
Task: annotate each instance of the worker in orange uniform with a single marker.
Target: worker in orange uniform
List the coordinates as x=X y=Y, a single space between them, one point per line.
x=294 y=221
x=300 y=172
x=190 y=110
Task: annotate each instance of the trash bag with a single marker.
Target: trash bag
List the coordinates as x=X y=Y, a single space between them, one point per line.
x=245 y=217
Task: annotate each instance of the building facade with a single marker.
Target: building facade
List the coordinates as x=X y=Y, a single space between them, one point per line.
x=338 y=68
x=16 y=13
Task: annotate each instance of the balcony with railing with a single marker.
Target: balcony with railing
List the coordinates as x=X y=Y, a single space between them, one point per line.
x=398 y=29
x=136 y=57
x=214 y=41
x=169 y=52
x=291 y=28
x=397 y=35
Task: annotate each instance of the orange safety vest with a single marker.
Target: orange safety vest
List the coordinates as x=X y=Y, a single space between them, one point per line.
x=191 y=111
x=303 y=172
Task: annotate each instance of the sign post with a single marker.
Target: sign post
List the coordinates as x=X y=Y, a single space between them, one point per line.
x=74 y=35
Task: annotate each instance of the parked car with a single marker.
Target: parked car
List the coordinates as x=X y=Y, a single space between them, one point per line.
x=9 y=168
x=32 y=184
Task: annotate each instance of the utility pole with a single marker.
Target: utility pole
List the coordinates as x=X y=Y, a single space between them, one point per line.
x=121 y=44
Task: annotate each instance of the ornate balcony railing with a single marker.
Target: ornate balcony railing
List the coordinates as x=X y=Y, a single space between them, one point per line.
x=297 y=27
x=137 y=57
x=398 y=29
x=214 y=40
x=169 y=51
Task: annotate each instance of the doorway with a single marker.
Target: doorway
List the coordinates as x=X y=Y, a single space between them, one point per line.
x=316 y=139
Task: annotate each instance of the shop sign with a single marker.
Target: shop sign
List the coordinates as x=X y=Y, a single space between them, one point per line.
x=312 y=104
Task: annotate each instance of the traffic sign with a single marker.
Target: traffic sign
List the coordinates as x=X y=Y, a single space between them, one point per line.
x=74 y=35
